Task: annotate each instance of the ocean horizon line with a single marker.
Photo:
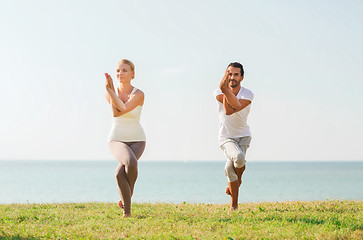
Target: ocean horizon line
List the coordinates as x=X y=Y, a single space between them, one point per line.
x=180 y=161
x=192 y=181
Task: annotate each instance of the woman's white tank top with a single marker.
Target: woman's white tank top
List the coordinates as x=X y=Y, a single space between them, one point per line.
x=127 y=127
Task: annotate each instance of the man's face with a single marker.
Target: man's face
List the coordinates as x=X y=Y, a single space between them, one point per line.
x=235 y=77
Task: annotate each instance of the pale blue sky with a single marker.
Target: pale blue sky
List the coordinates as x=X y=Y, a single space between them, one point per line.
x=302 y=59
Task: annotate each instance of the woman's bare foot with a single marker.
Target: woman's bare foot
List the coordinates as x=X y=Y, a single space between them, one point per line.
x=120 y=204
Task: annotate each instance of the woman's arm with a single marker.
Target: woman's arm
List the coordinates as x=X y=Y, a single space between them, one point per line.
x=115 y=100
x=115 y=111
x=111 y=96
x=118 y=106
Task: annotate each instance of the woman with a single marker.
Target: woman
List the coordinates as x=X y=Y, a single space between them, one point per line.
x=127 y=139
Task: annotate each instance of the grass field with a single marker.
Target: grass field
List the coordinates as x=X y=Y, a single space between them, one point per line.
x=278 y=220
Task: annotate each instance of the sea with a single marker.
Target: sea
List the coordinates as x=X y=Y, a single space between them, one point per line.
x=178 y=182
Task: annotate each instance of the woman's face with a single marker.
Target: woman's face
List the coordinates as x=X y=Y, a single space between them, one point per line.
x=124 y=72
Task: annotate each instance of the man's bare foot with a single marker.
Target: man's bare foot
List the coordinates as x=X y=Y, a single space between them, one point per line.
x=126 y=215
x=120 y=204
x=233 y=208
x=228 y=192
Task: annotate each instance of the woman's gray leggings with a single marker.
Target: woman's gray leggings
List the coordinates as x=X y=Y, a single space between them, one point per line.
x=127 y=154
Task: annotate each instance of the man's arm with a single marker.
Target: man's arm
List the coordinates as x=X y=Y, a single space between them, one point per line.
x=231 y=99
x=230 y=102
x=228 y=109
x=243 y=103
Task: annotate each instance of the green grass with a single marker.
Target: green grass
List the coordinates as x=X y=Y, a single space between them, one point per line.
x=281 y=220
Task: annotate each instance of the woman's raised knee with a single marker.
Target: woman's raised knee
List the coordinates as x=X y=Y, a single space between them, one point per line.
x=132 y=165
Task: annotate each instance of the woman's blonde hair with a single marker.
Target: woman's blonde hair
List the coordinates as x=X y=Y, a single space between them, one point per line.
x=128 y=62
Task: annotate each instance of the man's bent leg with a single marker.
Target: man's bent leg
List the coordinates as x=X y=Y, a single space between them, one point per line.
x=235 y=165
x=234 y=187
x=234 y=152
x=230 y=174
x=233 y=184
x=239 y=172
x=234 y=169
x=240 y=164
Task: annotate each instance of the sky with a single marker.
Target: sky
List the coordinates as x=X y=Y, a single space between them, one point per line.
x=302 y=60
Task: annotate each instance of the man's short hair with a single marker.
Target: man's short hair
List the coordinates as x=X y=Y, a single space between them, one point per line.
x=237 y=65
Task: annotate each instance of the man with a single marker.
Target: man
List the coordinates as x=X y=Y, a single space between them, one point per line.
x=234 y=102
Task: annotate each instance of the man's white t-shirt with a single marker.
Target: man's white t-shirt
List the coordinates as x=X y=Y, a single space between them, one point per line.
x=234 y=125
